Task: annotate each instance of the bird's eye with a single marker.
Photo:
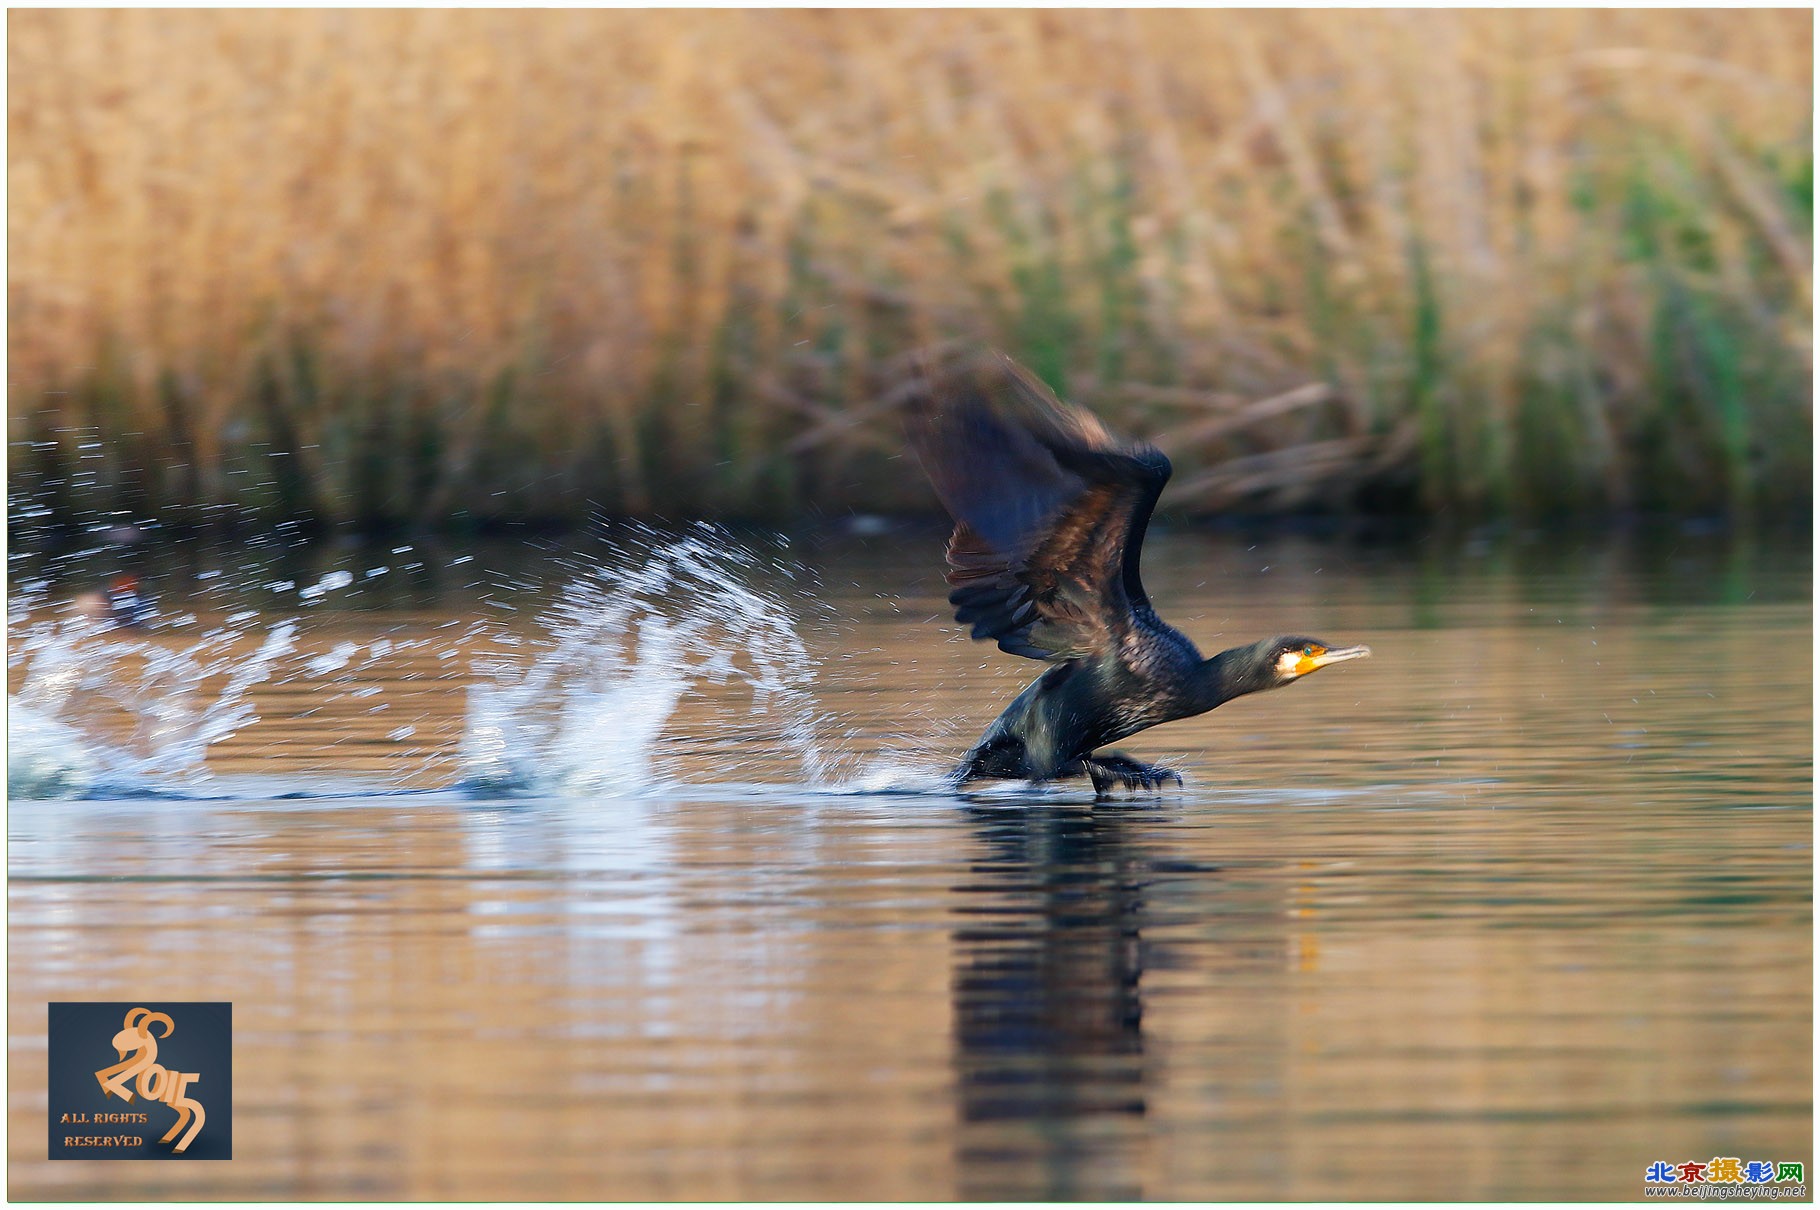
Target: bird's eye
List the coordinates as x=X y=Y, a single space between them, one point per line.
x=1308 y=652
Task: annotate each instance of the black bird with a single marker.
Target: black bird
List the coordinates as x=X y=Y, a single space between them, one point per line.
x=1050 y=511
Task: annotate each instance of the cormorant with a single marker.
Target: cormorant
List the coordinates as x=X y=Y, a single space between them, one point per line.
x=1050 y=511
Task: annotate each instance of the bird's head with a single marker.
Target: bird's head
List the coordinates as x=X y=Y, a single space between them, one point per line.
x=1295 y=657
x=1273 y=663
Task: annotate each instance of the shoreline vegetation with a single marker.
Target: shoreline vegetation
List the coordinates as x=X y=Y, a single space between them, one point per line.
x=379 y=269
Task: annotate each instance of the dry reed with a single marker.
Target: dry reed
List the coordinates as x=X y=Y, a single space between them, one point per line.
x=397 y=267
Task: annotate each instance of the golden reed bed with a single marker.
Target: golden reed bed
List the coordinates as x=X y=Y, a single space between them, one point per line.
x=407 y=266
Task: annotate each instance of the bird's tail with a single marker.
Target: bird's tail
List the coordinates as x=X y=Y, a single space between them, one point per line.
x=997 y=755
x=967 y=770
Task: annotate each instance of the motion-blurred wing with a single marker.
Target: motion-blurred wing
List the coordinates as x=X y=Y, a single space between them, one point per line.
x=1049 y=510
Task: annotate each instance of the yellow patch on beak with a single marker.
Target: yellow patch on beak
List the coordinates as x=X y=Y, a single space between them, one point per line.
x=1293 y=664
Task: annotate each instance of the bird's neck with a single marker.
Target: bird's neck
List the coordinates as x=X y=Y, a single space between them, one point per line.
x=1232 y=673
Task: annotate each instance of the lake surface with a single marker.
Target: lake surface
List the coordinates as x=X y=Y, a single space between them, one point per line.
x=1513 y=909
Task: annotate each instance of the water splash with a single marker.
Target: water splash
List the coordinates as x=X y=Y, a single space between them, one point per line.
x=613 y=665
x=661 y=662
x=46 y=758
x=896 y=773
x=104 y=711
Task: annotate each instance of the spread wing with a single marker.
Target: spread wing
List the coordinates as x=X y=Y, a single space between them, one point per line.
x=1049 y=510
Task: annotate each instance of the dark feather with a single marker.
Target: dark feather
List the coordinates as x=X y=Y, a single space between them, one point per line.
x=1050 y=510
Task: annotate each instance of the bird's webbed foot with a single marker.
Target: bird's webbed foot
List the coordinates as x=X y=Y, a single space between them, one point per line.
x=1109 y=769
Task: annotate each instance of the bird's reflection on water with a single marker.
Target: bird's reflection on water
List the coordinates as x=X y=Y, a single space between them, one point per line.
x=1049 y=1050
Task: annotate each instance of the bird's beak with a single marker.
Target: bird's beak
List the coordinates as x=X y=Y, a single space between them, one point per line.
x=1333 y=655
